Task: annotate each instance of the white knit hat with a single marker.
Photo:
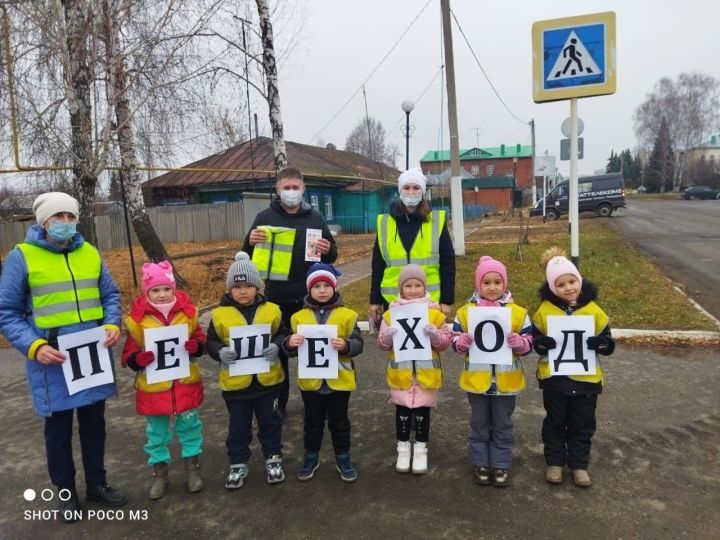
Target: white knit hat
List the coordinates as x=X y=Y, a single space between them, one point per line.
x=49 y=204
x=412 y=176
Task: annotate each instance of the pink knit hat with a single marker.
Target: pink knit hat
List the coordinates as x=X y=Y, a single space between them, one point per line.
x=157 y=274
x=559 y=266
x=488 y=264
x=412 y=271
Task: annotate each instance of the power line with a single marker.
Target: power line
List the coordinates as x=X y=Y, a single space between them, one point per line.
x=382 y=61
x=483 y=70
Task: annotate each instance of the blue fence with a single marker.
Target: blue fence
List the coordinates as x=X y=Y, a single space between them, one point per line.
x=351 y=224
x=471 y=211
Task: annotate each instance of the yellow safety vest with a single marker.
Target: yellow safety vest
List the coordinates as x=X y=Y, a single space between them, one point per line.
x=477 y=378
x=224 y=318
x=137 y=331
x=63 y=286
x=274 y=256
x=547 y=309
x=425 y=252
x=399 y=375
x=345 y=319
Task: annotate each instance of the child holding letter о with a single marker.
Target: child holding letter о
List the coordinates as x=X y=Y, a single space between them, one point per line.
x=326 y=398
x=569 y=401
x=164 y=305
x=414 y=384
x=491 y=388
x=248 y=392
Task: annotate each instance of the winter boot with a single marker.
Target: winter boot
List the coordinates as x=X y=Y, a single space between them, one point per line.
x=311 y=462
x=192 y=471
x=160 y=481
x=554 y=474
x=273 y=467
x=581 y=478
x=344 y=465
x=402 y=465
x=419 y=462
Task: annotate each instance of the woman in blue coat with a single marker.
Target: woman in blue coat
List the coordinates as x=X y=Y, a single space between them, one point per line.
x=54 y=283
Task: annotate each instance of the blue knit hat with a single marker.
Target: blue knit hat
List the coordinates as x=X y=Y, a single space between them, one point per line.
x=322 y=272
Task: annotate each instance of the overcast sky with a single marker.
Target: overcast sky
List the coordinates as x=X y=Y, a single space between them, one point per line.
x=344 y=40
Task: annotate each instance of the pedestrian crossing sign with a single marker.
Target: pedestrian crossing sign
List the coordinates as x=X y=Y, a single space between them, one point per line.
x=574 y=57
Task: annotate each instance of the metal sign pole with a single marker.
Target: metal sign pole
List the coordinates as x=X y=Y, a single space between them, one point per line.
x=573 y=200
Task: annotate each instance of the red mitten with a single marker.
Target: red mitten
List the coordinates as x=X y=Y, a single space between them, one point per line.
x=191 y=346
x=144 y=359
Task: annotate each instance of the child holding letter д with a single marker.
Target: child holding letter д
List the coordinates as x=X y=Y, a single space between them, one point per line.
x=327 y=398
x=164 y=305
x=413 y=384
x=491 y=388
x=245 y=395
x=569 y=401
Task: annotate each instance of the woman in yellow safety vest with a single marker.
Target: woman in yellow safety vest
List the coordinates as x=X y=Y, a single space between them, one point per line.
x=412 y=233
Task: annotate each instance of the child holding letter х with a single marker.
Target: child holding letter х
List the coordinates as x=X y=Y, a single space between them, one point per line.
x=245 y=395
x=569 y=401
x=491 y=388
x=327 y=398
x=413 y=384
x=164 y=305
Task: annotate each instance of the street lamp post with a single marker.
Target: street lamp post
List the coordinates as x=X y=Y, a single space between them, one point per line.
x=477 y=189
x=407 y=106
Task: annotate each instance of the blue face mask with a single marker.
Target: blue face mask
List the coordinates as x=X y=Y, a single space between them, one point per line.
x=61 y=232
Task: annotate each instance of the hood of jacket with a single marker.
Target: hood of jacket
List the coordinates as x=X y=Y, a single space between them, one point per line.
x=142 y=307
x=396 y=212
x=588 y=293
x=37 y=236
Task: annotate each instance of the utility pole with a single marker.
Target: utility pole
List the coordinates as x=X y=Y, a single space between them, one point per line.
x=532 y=165
x=455 y=180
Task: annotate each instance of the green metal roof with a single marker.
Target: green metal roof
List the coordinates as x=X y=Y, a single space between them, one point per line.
x=495 y=152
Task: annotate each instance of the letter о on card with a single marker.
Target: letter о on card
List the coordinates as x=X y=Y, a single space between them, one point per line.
x=316 y=358
x=87 y=363
x=490 y=327
x=571 y=356
x=410 y=341
x=172 y=361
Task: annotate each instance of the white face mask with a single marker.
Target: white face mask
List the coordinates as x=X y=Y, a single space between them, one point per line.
x=291 y=197
x=411 y=201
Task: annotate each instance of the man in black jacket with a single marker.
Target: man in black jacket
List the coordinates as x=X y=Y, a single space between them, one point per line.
x=293 y=212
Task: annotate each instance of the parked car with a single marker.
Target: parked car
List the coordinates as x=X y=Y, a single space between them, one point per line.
x=700 y=192
x=603 y=194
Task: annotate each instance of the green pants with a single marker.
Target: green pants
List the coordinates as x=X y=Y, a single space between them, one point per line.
x=189 y=431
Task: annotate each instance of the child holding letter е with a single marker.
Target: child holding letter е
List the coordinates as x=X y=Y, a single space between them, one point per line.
x=492 y=388
x=164 y=305
x=414 y=384
x=249 y=394
x=569 y=401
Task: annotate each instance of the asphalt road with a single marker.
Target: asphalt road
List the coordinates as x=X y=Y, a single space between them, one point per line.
x=684 y=239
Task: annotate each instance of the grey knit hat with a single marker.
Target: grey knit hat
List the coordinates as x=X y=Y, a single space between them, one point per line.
x=411 y=271
x=243 y=271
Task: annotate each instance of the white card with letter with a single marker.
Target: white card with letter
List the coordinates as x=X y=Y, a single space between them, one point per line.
x=410 y=342
x=87 y=361
x=571 y=356
x=490 y=327
x=172 y=361
x=249 y=342
x=316 y=358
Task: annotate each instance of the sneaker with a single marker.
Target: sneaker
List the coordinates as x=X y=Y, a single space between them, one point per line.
x=581 y=478
x=236 y=477
x=482 y=476
x=554 y=474
x=420 y=458
x=402 y=465
x=311 y=462
x=344 y=465
x=275 y=473
x=500 y=477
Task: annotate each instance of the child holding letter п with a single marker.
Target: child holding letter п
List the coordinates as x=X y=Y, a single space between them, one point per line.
x=248 y=394
x=414 y=384
x=569 y=401
x=491 y=388
x=327 y=398
x=163 y=305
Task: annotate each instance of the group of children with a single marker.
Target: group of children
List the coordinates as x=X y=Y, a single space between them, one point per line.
x=569 y=401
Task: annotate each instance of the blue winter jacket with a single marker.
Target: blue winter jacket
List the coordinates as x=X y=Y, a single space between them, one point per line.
x=47 y=383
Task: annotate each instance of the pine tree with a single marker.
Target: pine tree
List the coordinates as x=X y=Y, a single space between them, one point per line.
x=660 y=169
x=614 y=163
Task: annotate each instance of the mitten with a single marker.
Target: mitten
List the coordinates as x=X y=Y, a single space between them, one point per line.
x=432 y=332
x=463 y=342
x=387 y=336
x=544 y=343
x=227 y=355
x=517 y=343
x=192 y=346
x=270 y=352
x=144 y=359
x=601 y=344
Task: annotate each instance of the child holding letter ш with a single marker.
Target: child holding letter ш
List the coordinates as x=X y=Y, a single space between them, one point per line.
x=491 y=388
x=327 y=398
x=569 y=401
x=163 y=305
x=414 y=385
x=245 y=395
